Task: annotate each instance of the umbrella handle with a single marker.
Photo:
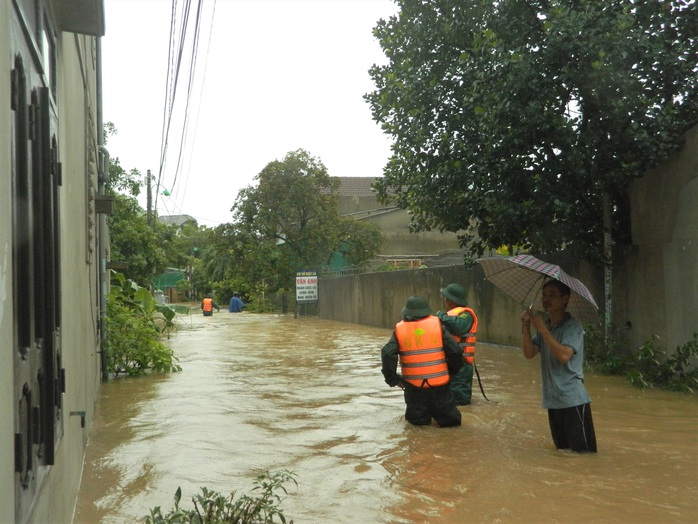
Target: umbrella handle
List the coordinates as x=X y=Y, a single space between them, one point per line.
x=523 y=329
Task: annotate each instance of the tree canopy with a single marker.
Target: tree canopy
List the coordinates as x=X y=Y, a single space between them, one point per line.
x=513 y=120
x=289 y=221
x=146 y=249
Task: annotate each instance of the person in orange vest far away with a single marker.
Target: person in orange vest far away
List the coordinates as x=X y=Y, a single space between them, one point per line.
x=207 y=305
x=428 y=357
x=461 y=322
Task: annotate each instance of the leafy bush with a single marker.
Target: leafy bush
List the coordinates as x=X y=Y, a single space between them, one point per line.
x=648 y=366
x=391 y=267
x=606 y=355
x=210 y=507
x=134 y=325
x=676 y=372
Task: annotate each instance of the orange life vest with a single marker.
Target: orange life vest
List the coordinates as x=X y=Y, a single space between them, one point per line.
x=208 y=305
x=422 y=356
x=467 y=342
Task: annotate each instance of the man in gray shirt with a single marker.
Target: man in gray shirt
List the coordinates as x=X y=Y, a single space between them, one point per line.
x=560 y=342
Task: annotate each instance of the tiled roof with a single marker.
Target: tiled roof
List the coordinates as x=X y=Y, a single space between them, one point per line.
x=355 y=185
x=177 y=220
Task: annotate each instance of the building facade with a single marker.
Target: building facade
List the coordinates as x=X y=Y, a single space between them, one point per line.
x=356 y=199
x=53 y=250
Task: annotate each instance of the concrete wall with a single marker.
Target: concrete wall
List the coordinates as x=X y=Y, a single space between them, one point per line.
x=349 y=204
x=662 y=265
x=376 y=299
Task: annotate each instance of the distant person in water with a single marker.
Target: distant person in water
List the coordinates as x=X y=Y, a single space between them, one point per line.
x=207 y=305
x=236 y=304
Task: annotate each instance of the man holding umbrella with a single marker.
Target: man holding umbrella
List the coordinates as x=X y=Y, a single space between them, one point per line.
x=560 y=342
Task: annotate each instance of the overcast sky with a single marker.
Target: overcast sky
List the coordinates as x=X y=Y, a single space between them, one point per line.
x=271 y=76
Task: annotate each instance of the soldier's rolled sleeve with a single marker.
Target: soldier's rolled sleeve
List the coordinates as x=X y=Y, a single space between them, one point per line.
x=389 y=358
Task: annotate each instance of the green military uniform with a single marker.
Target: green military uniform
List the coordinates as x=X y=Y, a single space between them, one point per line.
x=462 y=382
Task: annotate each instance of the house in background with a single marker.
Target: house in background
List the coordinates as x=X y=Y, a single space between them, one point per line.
x=401 y=247
x=53 y=251
x=177 y=220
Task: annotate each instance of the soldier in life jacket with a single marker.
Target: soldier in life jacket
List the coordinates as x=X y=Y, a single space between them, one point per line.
x=461 y=322
x=207 y=305
x=428 y=356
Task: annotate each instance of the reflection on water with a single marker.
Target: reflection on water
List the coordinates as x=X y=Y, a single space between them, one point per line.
x=266 y=393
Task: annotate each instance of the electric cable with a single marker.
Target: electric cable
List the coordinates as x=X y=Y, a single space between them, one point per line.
x=176 y=62
x=183 y=192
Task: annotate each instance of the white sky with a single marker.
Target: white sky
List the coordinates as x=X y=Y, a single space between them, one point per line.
x=275 y=76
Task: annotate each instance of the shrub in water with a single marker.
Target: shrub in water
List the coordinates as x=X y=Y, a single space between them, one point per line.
x=210 y=507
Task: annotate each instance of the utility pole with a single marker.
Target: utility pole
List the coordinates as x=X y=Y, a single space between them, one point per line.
x=608 y=264
x=149 y=208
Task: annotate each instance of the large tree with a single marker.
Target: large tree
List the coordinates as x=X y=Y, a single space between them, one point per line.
x=522 y=118
x=237 y=260
x=134 y=242
x=146 y=249
x=289 y=221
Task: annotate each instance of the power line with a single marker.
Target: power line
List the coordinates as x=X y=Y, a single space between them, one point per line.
x=180 y=56
x=201 y=92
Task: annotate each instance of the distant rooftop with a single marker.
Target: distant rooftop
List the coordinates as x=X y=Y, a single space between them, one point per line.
x=177 y=220
x=355 y=185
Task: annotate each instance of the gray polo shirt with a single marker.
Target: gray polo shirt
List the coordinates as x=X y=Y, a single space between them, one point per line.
x=563 y=384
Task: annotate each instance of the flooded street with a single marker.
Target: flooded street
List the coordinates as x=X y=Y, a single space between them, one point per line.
x=269 y=393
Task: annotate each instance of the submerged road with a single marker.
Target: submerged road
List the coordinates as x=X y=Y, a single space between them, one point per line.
x=269 y=393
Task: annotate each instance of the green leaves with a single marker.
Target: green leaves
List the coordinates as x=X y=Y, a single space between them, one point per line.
x=532 y=111
x=211 y=507
x=134 y=325
x=290 y=221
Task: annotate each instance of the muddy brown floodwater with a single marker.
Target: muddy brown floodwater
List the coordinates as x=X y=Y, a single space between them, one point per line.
x=269 y=393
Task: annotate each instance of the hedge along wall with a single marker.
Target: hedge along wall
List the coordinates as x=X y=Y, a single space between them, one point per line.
x=376 y=299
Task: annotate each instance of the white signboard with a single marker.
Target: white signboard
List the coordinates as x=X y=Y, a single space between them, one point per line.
x=306 y=286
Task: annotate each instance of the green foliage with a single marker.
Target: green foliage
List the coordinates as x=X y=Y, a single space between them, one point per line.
x=511 y=120
x=287 y=221
x=134 y=325
x=294 y=205
x=147 y=249
x=360 y=241
x=509 y=251
x=124 y=182
x=676 y=372
x=237 y=261
x=648 y=366
x=213 y=508
x=606 y=355
x=391 y=267
x=134 y=242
